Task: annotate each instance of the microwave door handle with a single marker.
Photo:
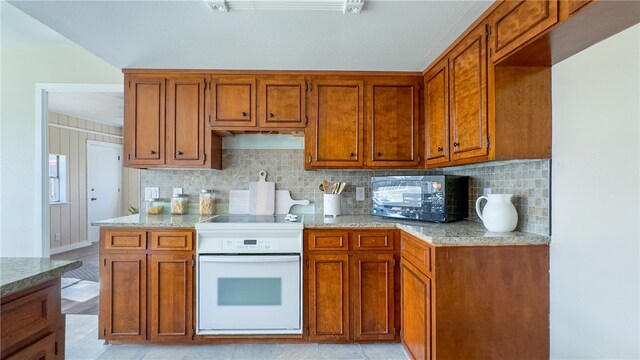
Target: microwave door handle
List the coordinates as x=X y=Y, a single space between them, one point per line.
x=249 y=259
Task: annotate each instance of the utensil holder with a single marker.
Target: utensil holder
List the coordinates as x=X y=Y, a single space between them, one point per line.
x=331 y=205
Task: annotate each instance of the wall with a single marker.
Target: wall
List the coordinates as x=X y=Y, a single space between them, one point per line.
x=528 y=180
x=595 y=262
x=70 y=220
x=22 y=68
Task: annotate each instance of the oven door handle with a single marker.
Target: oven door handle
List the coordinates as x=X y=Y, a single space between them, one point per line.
x=249 y=259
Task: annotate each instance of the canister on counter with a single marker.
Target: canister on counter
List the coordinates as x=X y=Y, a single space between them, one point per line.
x=179 y=204
x=207 y=202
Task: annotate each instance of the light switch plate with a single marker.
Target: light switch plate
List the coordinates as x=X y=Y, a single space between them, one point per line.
x=177 y=190
x=360 y=193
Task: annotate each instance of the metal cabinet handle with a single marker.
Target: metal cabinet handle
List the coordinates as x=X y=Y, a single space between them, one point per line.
x=152 y=152
x=379 y=154
x=352 y=154
x=456 y=144
x=271 y=115
x=179 y=153
x=243 y=113
x=94 y=199
x=440 y=149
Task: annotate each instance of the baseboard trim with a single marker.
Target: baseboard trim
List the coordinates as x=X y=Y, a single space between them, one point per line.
x=70 y=247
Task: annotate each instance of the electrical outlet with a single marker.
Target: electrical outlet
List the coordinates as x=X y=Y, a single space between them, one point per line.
x=486 y=191
x=359 y=193
x=56 y=237
x=177 y=190
x=152 y=192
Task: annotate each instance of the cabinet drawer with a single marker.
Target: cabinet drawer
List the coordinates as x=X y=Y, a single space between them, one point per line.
x=328 y=240
x=125 y=240
x=29 y=315
x=373 y=240
x=171 y=240
x=417 y=252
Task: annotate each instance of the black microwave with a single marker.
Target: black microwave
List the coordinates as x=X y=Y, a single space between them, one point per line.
x=436 y=198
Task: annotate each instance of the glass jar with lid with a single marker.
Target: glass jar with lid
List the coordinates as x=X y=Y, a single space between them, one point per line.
x=207 y=202
x=153 y=206
x=179 y=204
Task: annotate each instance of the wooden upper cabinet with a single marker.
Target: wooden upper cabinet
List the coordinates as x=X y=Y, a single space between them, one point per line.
x=468 y=96
x=185 y=121
x=334 y=137
x=282 y=103
x=171 y=297
x=568 y=8
x=436 y=113
x=145 y=121
x=513 y=23
x=233 y=102
x=393 y=112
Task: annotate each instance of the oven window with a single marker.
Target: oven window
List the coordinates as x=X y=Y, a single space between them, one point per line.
x=249 y=291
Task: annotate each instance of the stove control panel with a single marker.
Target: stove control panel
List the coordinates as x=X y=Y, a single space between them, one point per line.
x=249 y=244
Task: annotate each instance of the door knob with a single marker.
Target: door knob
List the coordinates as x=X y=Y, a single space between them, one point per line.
x=440 y=149
x=352 y=154
x=271 y=115
x=243 y=113
x=179 y=153
x=152 y=152
x=379 y=154
x=456 y=144
x=94 y=199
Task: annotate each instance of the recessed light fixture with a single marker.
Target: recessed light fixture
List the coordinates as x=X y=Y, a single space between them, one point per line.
x=345 y=6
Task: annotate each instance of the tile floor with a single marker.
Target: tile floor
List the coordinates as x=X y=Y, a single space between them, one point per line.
x=83 y=344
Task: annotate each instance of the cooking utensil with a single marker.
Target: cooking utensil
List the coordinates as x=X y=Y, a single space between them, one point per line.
x=262 y=196
x=334 y=188
x=284 y=202
x=341 y=187
x=325 y=186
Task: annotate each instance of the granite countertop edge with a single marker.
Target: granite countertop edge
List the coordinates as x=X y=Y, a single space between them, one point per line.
x=61 y=267
x=460 y=233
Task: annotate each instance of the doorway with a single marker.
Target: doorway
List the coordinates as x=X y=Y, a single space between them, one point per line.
x=104 y=178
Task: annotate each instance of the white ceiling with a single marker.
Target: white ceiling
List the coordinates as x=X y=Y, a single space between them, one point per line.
x=18 y=28
x=107 y=107
x=388 y=35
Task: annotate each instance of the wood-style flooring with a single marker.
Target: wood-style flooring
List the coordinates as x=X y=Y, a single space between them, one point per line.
x=89 y=257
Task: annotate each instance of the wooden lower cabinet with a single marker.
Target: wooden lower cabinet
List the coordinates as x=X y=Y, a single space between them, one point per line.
x=328 y=289
x=33 y=326
x=351 y=285
x=146 y=295
x=479 y=302
x=171 y=295
x=416 y=312
x=123 y=296
x=372 y=290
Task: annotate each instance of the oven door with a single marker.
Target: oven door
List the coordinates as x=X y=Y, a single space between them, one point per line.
x=249 y=294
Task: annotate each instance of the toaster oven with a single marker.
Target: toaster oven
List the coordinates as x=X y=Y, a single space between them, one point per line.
x=436 y=198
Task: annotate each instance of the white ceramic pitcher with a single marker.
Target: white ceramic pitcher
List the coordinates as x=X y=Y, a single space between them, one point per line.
x=499 y=214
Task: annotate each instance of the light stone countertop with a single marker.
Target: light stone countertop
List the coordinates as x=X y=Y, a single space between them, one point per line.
x=17 y=274
x=459 y=233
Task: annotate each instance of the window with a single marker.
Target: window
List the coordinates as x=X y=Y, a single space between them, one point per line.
x=57 y=178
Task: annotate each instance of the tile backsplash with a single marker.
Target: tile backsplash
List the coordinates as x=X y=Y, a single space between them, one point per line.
x=527 y=180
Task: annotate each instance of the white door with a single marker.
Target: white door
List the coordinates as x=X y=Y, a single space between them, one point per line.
x=104 y=179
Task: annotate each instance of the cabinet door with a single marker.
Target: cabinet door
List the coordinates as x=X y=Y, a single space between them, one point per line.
x=468 y=96
x=393 y=120
x=372 y=296
x=282 y=103
x=123 y=297
x=416 y=313
x=185 y=121
x=233 y=103
x=171 y=301
x=144 y=122
x=328 y=289
x=436 y=113
x=516 y=22
x=334 y=138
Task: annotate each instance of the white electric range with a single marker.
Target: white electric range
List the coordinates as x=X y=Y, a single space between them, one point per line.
x=249 y=275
